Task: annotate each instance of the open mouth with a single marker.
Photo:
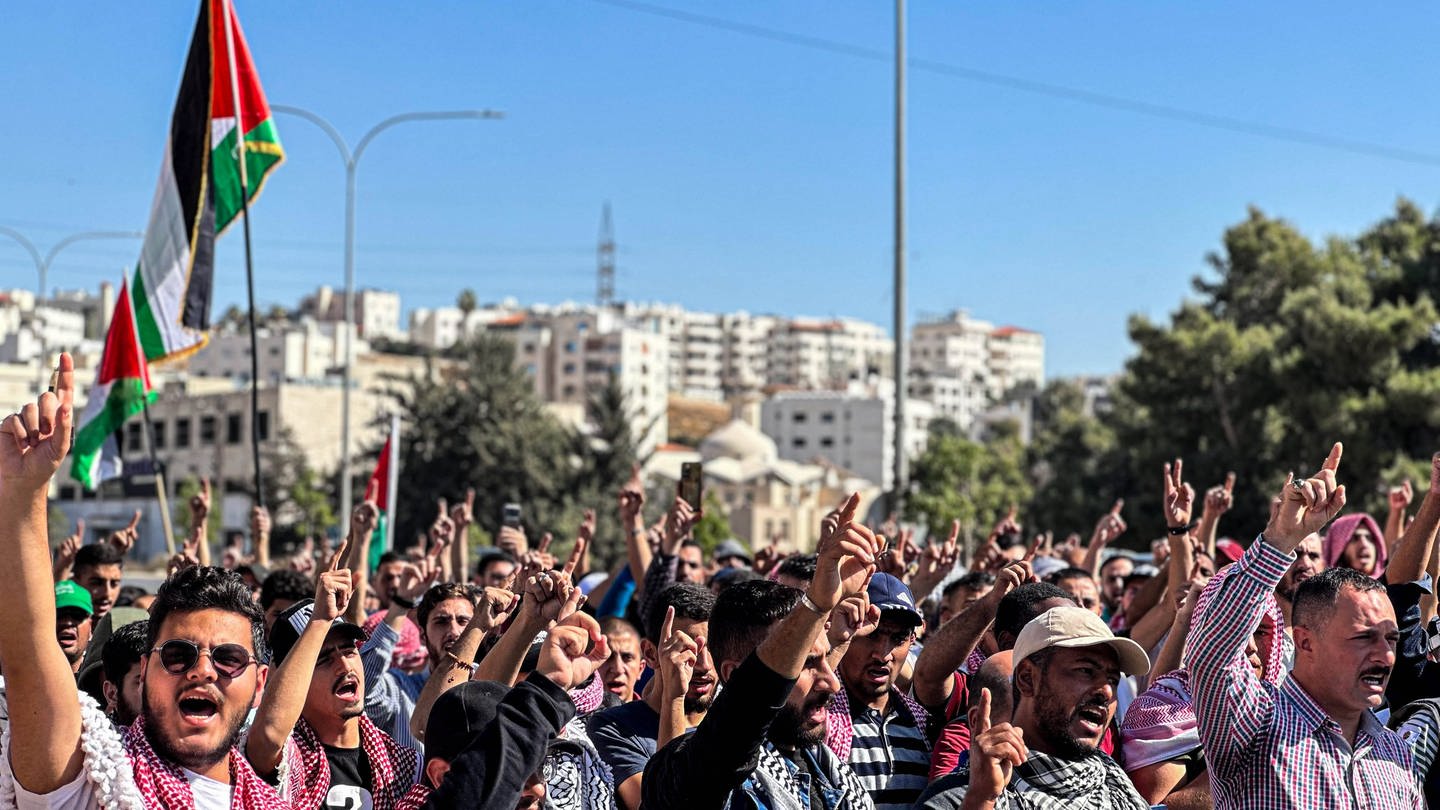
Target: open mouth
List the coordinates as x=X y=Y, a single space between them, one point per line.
x=198 y=709
x=877 y=675
x=1374 y=681
x=347 y=688
x=1091 y=719
x=67 y=637
x=701 y=686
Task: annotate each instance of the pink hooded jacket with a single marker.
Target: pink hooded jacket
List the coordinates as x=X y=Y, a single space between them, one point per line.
x=1337 y=537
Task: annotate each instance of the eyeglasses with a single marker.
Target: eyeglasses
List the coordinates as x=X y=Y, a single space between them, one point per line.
x=179 y=656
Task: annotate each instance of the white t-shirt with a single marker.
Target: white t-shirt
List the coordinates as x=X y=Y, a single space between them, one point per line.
x=80 y=795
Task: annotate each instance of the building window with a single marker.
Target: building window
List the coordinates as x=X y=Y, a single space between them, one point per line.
x=798 y=442
x=132 y=437
x=262 y=425
x=827 y=441
x=828 y=417
x=569 y=368
x=798 y=417
x=159 y=432
x=570 y=347
x=182 y=433
x=207 y=430
x=232 y=428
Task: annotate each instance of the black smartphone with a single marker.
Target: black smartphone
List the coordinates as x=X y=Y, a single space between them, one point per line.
x=689 y=489
x=510 y=515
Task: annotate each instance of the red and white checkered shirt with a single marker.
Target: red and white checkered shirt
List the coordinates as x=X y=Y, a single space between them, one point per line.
x=1274 y=747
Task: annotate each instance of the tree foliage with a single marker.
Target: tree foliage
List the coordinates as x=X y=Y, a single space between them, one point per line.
x=959 y=478
x=1289 y=346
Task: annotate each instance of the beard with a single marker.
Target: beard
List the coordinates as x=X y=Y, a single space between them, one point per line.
x=1055 y=723
x=701 y=704
x=790 y=729
x=188 y=758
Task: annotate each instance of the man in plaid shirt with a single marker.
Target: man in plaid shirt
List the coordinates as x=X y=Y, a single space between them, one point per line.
x=1313 y=741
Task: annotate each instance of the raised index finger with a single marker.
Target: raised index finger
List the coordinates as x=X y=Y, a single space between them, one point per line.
x=134 y=521
x=1332 y=462
x=847 y=511
x=667 y=628
x=575 y=554
x=340 y=554
x=983 y=720
x=1229 y=482
x=1119 y=505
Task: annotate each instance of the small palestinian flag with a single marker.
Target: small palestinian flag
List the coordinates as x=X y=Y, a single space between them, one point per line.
x=382 y=488
x=122 y=387
x=199 y=193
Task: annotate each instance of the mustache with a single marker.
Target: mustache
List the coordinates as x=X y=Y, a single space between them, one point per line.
x=818 y=701
x=1381 y=671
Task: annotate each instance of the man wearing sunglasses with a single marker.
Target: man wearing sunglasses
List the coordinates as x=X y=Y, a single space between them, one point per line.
x=202 y=674
x=313 y=712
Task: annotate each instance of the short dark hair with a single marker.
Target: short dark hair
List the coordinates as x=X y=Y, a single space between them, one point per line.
x=128 y=595
x=205 y=587
x=123 y=650
x=729 y=577
x=285 y=584
x=988 y=678
x=97 y=554
x=1069 y=573
x=799 y=566
x=393 y=556
x=441 y=592
x=1114 y=558
x=691 y=542
x=744 y=615
x=616 y=626
x=973 y=581
x=1018 y=607
x=490 y=559
x=1315 y=598
x=691 y=601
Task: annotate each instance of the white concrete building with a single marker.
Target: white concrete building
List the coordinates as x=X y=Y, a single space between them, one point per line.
x=807 y=353
x=377 y=312
x=1017 y=356
x=303 y=350
x=976 y=352
x=852 y=429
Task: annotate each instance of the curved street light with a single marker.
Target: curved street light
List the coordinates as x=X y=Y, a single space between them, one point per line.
x=42 y=264
x=352 y=161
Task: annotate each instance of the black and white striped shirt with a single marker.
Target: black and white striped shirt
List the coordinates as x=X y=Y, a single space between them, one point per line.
x=890 y=755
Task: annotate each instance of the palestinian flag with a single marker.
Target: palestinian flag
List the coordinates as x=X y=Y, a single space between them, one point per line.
x=122 y=387
x=201 y=177
x=382 y=488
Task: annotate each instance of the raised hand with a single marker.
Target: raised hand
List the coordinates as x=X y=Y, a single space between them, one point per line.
x=632 y=497
x=1401 y=496
x=188 y=557
x=416 y=578
x=936 y=563
x=1179 y=497
x=66 y=551
x=442 y=531
x=550 y=597
x=512 y=539
x=542 y=551
x=333 y=588
x=495 y=607
x=200 y=505
x=679 y=522
x=1110 y=527
x=572 y=651
x=1219 y=498
x=35 y=440
x=766 y=558
x=1009 y=578
x=365 y=517
x=1010 y=524
x=845 y=559
x=463 y=514
x=678 y=653
x=582 y=542
x=1306 y=506
x=852 y=618
x=124 y=539
x=996 y=751
x=259 y=525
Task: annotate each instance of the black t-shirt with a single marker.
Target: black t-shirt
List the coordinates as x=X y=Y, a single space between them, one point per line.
x=350 y=780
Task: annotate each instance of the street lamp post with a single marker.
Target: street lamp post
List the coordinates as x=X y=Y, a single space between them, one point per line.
x=352 y=160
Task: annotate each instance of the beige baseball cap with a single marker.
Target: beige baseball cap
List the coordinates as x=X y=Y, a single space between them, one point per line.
x=1077 y=627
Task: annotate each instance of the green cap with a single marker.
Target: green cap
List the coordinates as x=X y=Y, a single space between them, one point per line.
x=70 y=595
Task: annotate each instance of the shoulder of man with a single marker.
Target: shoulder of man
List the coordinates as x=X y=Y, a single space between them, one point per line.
x=946 y=793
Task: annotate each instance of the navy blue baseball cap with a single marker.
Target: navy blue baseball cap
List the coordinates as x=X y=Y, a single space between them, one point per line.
x=892 y=597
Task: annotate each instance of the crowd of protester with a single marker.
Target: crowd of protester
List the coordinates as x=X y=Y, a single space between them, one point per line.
x=1291 y=671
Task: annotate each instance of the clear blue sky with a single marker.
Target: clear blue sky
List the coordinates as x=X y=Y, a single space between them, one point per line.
x=745 y=172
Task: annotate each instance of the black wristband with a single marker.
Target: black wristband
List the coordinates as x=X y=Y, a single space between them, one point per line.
x=1176 y=531
x=408 y=604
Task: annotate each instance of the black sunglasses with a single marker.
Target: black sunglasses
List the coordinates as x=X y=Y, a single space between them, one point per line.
x=179 y=656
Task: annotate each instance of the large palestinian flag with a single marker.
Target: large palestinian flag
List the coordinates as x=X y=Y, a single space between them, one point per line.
x=199 y=193
x=122 y=387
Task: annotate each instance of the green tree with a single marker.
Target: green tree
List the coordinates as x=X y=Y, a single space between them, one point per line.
x=609 y=452
x=466 y=303
x=180 y=510
x=714 y=525
x=959 y=478
x=297 y=496
x=1073 y=462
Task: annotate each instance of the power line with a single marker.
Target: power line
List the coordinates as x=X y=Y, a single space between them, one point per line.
x=1080 y=96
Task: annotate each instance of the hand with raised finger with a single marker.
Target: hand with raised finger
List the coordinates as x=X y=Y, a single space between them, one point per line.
x=463 y=514
x=365 y=517
x=1306 y=506
x=1219 y=498
x=1009 y=578
x=766 y=558
x=852 y=618
x=495 y=607
x=572 y=651
x=548 y=596
x=124 y=539
x=1435 y=473
x=995 y=752
x=632 y=497
x=845 y=561
x=200 y=504
x=1179 y=497
x=416 y=578
x=34 y=440
x=1401 y=496
x=333 y=588
x=1110 y=527
x=442 y=531
x=577 y=552
x=678 y=653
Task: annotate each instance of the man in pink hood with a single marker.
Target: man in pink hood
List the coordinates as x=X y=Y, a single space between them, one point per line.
x=1355 y=541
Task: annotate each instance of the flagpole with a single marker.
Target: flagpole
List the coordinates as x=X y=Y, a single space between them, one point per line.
x=149 y=432
x=249 y=263
x=394 y=483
